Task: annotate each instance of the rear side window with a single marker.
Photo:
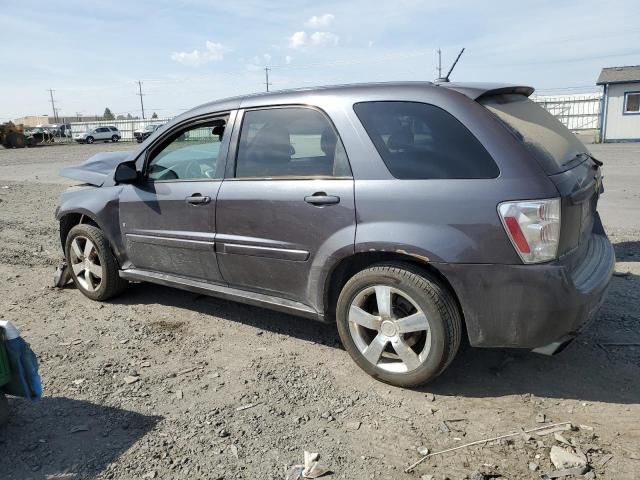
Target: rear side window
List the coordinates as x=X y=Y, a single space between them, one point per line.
x=422 y=141
x=552 y=144
x=289 y=142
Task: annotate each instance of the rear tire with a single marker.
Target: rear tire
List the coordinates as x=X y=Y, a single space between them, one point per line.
x=399 y=324
x=94 y=268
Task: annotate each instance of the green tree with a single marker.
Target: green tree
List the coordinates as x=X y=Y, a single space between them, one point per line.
x=155 y=115
x=107 y=115
x=129 y=116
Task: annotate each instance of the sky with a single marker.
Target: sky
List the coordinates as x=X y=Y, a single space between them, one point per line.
x=187 y=52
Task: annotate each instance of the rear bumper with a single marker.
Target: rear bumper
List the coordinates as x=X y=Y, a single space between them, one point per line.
x=532 y=306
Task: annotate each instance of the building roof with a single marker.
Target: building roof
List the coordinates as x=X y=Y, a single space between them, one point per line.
x=619 y=75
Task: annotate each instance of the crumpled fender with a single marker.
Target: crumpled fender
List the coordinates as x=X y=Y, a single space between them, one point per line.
x=97 y=169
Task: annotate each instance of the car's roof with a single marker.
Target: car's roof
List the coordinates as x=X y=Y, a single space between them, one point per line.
x=471 y=90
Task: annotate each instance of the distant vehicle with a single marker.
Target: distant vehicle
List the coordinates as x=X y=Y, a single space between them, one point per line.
x=145 y=132
x=37 y=136
x=99 y=133
x=410 y=214
x=59 y=129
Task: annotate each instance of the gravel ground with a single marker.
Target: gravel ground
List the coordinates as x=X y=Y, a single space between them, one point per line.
x=229 y=391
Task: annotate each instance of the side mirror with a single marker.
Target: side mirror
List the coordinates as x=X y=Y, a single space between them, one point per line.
x=126 y=173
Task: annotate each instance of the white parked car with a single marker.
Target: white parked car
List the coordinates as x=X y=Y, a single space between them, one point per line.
x=98 y=133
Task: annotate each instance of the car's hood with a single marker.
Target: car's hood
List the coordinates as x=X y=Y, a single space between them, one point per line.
x=96 y=169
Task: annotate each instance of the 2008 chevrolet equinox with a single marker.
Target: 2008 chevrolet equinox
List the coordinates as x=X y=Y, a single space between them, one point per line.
x=408 y=213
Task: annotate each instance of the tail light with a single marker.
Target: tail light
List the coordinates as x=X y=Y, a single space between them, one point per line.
x=533 y=227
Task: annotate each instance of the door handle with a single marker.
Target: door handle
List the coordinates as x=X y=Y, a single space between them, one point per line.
x=321 y=198
x=197 y=199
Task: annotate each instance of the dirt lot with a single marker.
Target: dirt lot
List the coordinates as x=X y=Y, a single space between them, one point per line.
x=200 y=361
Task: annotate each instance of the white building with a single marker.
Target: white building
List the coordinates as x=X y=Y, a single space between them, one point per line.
x=621 y=104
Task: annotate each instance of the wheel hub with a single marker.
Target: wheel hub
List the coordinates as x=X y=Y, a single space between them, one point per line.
x=388 y=328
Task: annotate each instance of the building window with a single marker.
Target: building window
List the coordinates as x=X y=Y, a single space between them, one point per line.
x=632 y=102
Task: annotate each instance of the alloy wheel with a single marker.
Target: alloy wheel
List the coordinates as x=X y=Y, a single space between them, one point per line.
x=389 y=329
x=85 y=263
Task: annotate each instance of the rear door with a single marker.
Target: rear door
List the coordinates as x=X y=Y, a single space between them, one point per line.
x=287 y=203
x=168 y=217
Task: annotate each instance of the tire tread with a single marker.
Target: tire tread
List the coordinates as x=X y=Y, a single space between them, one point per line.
x=437 y=293
x=114 y=284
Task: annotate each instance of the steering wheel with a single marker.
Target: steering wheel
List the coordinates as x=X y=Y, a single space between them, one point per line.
x=199 y=169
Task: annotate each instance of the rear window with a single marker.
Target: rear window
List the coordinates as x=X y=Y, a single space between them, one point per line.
x=553 y=144
x=422 y=141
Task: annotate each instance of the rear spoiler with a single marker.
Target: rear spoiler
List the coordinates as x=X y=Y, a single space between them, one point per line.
x=476 y=91
x=519 y=90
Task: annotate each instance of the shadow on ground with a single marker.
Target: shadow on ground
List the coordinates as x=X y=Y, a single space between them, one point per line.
x=40 y=438
x=587 y=370
x=627 y=251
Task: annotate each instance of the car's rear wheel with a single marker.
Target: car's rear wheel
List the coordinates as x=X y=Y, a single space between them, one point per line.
x=89 y=140
x=399 y=324
x=93 y=267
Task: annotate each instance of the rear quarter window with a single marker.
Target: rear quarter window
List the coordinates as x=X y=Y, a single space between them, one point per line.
x=422 y=141
x=552 y=144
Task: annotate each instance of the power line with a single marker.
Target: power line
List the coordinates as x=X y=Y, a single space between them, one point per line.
x=141 y=95
x=266 y=77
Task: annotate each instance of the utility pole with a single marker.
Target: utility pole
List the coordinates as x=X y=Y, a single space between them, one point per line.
x=53 y=106
x=439 y=63
x=266 y=76
x=141 y=95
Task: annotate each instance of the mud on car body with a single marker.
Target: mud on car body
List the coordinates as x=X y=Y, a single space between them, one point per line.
x=410 y=214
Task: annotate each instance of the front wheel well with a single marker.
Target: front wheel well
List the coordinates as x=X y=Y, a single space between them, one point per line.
x=353 y=264
x=70 y=220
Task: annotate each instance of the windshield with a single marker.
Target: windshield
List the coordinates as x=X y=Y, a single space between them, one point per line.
x=553 y=144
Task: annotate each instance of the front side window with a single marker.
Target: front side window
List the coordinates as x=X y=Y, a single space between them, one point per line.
x=289 y=142
x=632 y=102
x=422 y=141
x=190 y=154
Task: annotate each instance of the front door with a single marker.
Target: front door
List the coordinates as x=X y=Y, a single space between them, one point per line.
x=288 y=205
x=168 y=218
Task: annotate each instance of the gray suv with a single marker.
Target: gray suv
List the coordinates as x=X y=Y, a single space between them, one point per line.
x=411 y=214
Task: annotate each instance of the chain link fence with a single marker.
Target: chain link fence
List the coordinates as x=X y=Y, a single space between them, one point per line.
x=576 y=112
x=125 y=127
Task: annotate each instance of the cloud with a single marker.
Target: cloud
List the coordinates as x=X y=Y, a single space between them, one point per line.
x=288 y=59
x=298 y=39
x=324 y=38
x=321 y=21
x=214 y=52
